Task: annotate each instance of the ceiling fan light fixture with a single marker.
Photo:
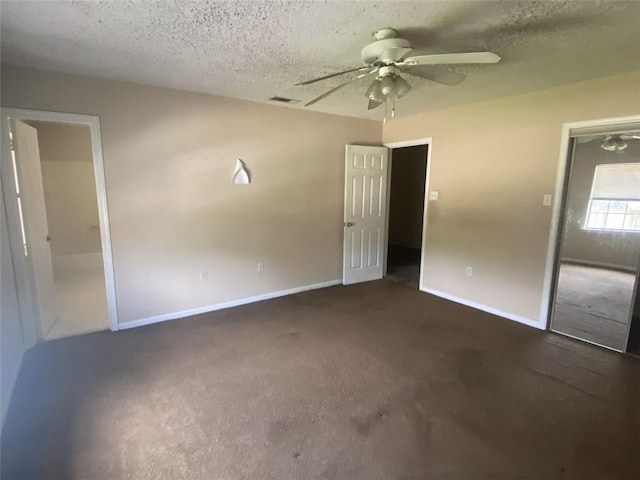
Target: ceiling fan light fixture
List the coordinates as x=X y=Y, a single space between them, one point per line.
x=374 y=92
x=613 y=144
x=386 y=85
x=401 y=86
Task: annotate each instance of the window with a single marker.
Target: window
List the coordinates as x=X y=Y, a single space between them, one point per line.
x=615 y=198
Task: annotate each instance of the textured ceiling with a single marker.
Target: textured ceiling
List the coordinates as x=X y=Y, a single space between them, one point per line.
x=258 y=49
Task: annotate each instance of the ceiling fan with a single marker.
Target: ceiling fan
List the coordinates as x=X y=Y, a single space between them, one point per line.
x=616 y=142
x=388 y=56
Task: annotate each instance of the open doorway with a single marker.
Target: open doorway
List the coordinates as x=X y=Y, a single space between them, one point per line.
x=59 y=225
x=71 y=205
x=406 y=214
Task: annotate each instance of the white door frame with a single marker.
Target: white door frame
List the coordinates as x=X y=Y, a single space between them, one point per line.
x=23 y=275
x=569 y=129
x=428 y=141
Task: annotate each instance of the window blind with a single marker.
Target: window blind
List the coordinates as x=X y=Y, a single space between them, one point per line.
x=617 y=181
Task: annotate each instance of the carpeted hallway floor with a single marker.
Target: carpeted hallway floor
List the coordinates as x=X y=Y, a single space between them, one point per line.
x=369 y=381
x=403 y=265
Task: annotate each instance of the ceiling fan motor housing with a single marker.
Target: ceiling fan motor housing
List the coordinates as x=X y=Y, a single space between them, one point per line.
x=387 y=50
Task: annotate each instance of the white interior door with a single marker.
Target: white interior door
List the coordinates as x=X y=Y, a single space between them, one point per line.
x=27 y=154
x=365 y=208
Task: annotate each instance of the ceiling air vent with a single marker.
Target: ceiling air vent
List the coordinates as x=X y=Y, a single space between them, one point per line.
x=283 y=99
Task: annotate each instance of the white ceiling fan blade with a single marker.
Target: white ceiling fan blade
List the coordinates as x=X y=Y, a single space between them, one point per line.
x=586 y=139
x=453 y=58
x=335 y=89
x=604 y=137
x=331 y=75
x=446 y=77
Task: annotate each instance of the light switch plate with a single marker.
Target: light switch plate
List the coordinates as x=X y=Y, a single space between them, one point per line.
x=433 y=195
x=546 y=199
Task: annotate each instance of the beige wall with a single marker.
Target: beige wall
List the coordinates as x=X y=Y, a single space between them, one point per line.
x=492 y=162
x=12 y=343
x=169 y=157
x=69 y=187
x=619 y=249
x=406 y=206
x=63 y=142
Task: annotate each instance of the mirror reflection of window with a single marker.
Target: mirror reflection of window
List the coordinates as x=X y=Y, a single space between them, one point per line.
x=614 y=203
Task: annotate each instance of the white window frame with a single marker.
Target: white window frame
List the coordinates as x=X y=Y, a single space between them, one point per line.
x=608 y=199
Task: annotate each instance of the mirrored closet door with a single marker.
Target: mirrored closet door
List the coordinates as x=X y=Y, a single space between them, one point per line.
x=597 y=265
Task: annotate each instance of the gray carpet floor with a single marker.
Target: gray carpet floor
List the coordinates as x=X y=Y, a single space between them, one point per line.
x=594 y=304
x=403 y=265
x=373 y=381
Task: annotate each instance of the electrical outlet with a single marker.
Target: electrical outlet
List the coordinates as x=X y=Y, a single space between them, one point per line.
x=204 y=275
x=468 y=271
x=546 y=199
x=261 y=267
x=433 y=195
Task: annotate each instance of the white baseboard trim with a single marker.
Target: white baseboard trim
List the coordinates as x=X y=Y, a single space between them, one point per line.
x=589 y=263
x=12 y=383
x=219 y=306
x=485 y=308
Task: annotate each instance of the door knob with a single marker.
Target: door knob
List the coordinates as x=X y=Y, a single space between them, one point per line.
x=349 y=224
